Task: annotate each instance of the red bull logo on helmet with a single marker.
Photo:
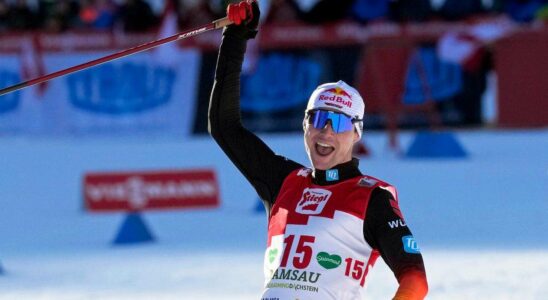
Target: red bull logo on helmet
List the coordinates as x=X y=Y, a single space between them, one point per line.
x=337 y=95
x=340 y=92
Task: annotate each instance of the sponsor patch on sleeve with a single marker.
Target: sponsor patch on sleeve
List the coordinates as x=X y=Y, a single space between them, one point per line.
x=410 y=245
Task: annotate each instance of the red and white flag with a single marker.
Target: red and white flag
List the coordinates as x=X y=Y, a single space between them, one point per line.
x=467 y=47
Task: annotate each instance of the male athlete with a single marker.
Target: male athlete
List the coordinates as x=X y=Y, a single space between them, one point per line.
x=326 y=224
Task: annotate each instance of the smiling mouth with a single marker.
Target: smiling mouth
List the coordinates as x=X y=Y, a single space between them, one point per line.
x=324 y=149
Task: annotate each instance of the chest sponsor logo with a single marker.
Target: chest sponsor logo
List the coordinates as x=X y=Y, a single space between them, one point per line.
x=296 y=275
x=313 y=201
x=328 y=261
x=272 y=254
x=410 y=245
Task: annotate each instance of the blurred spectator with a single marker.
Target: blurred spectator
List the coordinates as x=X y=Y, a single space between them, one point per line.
x=282 y=11
x=98 y=14
x=319 y=11
x=88 y=13
x=21 y=17
x=218 y=7
x=542 y=13
x=411 y=10
x=523 y=10
x=193 y=13
x=137 y=15
x=59 y=15
x=367 y=10
x=4 y=16
x=311 y=11
x=454 y=10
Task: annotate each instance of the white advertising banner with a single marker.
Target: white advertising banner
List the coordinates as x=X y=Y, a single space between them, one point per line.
x=146 y=93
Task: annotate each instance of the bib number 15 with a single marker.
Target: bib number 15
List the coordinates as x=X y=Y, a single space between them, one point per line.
x=302 y=253
x=356 y=269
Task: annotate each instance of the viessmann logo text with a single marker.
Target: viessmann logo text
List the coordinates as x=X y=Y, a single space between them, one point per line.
x=144 y=191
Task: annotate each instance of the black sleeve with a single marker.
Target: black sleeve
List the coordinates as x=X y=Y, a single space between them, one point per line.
x=258 y=163
x=385 y=229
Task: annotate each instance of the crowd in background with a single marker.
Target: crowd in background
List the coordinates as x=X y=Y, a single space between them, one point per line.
x=143 y=15
x=62 y=15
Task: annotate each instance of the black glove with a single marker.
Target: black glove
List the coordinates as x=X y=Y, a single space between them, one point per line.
x=245 y=16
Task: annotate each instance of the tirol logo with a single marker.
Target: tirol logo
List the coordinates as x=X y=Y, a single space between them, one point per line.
x=332 y=175
x=337 y=95
x=410 y=245
x=313 y=201
x=328 y=261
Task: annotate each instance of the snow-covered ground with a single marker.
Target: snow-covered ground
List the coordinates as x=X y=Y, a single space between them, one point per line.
x=481 y=222
x=156 y=272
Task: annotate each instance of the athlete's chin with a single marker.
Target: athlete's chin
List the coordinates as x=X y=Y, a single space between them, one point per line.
x=322 y=162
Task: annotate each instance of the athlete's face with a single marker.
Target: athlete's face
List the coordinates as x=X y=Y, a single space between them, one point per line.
x=326 y=148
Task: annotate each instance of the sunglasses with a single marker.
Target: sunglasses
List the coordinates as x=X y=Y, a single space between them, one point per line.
x=339 y=121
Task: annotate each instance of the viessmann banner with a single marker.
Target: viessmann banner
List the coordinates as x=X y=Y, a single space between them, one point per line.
x=149 y=92
x=137 y=191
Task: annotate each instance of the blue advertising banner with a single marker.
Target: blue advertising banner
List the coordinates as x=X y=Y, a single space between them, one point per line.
x=9 y=102
x=17 y=112
x=280 y=82
x=274 y=96
x=143 y=93
x=429 y=78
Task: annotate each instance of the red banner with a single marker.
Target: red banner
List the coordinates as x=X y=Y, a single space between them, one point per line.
x=131 y=191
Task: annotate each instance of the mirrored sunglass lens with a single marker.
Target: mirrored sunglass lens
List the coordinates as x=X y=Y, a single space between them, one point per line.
x=344 y=124
x=339 y=122
x=335 y=121
x=319 y=119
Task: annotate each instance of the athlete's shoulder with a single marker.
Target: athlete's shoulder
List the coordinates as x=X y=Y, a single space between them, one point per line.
x=298 y=176
x=368 y=181
x=301 y=172
x=373 y=184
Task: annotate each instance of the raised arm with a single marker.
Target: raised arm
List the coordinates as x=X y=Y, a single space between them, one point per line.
x=258 y=163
